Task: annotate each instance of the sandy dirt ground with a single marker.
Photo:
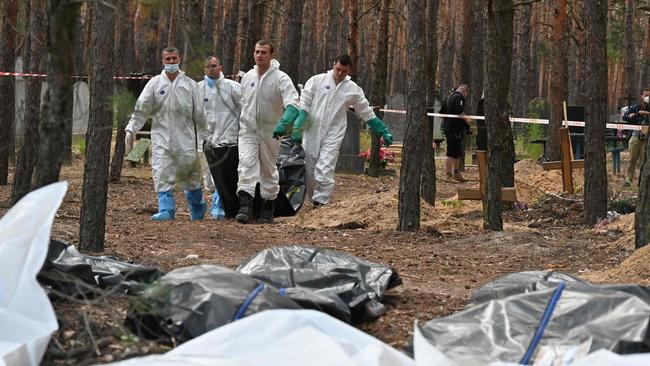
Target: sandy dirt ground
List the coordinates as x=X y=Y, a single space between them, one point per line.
x=441 y=265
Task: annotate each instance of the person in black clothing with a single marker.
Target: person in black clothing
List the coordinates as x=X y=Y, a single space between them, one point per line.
x=455 y=130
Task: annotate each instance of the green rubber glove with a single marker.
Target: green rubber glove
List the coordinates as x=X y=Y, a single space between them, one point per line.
x=380 y=128
x=289 y=115
x=299 y=126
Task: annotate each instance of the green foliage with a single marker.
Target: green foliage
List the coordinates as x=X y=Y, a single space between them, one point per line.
x=452 y=203
x=79 y=144
x=123 y=104
x=365 y=140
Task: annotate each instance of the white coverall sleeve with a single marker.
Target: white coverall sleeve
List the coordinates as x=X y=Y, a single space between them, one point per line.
x=236 y=95
x=362 y=107
x=144 y=109
x=288 y=92
x=198 y=115
x=307 y=95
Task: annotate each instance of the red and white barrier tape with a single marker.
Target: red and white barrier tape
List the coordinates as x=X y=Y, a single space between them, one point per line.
x=4 y=73
x=618 y=126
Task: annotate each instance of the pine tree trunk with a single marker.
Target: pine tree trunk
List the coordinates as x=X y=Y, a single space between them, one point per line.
x=467 y=43
x=645 y=63
x=595 y=79
x=353 y=37
x=500 y=144
x=60 y=65
x=98 y=139
x=478 y=53
x=378 y=93
x=29 y=149
x=410 y=172
x=208 y=26
x=522 y=77
x=558 y=81
x=121 y=104
x=229 y=38
x=334 y=32
x=7 y=86
x=428 y=181
x=290 y=65
x=630 y=53
x=446 y=58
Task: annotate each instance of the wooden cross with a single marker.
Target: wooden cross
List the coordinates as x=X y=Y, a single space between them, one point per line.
x=507 y=193
x=566 y=164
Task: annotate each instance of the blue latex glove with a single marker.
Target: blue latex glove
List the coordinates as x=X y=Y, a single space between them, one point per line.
x=380 y=128
x=289 y=115
x=299 y=126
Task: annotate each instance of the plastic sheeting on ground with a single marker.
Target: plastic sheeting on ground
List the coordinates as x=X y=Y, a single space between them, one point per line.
x=281 y=338
x=557 y=323
x=190 y=301
x=27 y=319
x=67 y=272
x=291 y=169
x=359 y=283
x=520 y=282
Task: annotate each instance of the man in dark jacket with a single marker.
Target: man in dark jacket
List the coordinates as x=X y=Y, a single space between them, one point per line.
x=638 y=115
x=455 y=130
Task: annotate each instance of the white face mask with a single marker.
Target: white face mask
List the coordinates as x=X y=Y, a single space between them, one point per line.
x=171 y=68
x=646 y=100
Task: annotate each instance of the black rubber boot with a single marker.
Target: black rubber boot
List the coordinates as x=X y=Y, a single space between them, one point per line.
x=245 y=207
x=266 y=213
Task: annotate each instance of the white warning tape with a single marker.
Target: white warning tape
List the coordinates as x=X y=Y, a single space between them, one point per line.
x=618 y=125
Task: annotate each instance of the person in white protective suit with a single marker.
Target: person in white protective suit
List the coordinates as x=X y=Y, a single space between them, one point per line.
x=222 y=106
x=174 y=102
x=266 y=91
x=322 y=121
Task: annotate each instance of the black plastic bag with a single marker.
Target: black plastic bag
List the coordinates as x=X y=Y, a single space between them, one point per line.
x=223 y=163
x=358 y=283
x=70 y=273
x=190 y=301
x=546 y=315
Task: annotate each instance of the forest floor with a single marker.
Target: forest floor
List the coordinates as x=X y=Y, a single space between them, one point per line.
x=441 y=265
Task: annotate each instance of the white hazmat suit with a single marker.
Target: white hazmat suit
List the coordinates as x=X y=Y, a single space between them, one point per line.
x=326 y=104
x=177 y=128
x=222 y=106
x=263 y=100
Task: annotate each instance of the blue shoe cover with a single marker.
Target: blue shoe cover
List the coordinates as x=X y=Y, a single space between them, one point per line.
x=196 y=203
x=166 y=207
x=217 y=212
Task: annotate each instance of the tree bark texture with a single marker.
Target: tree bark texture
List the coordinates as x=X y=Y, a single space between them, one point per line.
x=229 y=38
x=60 y=65
x=411 y=168
x=98 y=139
x=290 y=63
x=645 y=63
x=478 y=53
x=630 y=53
x=595 y=79
x=29 y=149
x=353 y=37
x=7 y=86
x=121 y=103
x=522 y=77
x=428 y=181
x=500 y=140
x=378 y=93
x=447 y=49
x=558 y=92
